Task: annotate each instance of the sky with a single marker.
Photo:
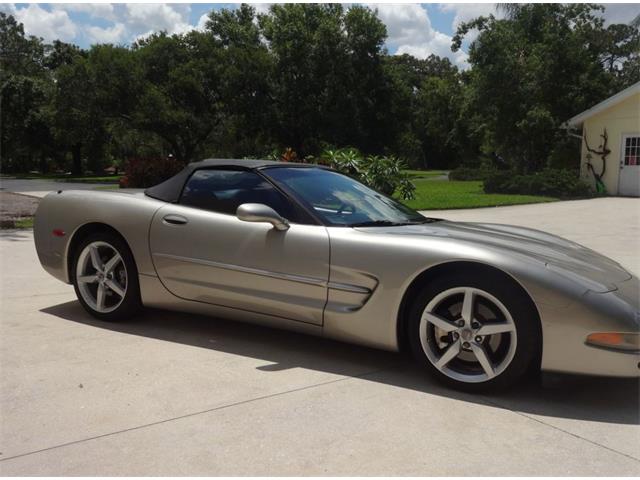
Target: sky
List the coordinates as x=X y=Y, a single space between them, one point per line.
x=417 y=29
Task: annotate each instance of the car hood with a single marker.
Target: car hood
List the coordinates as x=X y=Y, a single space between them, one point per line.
x=558 y=254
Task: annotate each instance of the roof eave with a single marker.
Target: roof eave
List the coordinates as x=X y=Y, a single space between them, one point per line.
x=579 y=119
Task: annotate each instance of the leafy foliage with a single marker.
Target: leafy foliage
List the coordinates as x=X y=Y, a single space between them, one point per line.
x=310 y=76
x=384 y=174
x=428 y=124
x=180 y=92
x=537 y=68
x=327 y=79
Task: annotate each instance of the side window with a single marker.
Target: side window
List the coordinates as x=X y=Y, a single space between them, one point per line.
x=224 y=191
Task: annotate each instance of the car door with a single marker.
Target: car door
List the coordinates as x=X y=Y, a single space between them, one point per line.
x=203 y=252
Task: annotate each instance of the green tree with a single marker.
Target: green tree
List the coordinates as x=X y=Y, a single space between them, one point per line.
x=368 y=91
x=97 y=94
x=535 y=69
x=25 y=93
x=179 y=99
x=426 y=115
x=19 y=54
x=620 y=46
x=306 y=43
x=74 y=100
x=311 y=77
x=327 y=83
x=244 y=68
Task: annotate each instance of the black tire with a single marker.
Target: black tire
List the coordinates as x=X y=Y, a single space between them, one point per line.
x=131 y=304
x=525 y=318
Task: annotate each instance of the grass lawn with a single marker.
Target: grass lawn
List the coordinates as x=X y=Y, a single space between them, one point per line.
x=435 y=195
x=10 y=224
x=416 y=174
x=26 y=222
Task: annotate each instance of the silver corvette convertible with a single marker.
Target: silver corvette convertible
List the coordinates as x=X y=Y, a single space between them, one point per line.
x=305 y=248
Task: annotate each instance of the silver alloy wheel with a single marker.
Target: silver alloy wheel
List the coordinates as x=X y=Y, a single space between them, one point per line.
x=468 y=334
x=101 y=276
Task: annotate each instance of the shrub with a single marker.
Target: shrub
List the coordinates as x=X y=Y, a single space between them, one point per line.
x=143 y=172
x=548 y=182
x=469 y=173
x=565 y=155
x=384 y=174
x=499 y=182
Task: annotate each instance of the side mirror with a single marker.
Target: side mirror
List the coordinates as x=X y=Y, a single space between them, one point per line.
x=258 y=212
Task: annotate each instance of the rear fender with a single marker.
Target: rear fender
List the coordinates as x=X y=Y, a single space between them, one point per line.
x=68 y=212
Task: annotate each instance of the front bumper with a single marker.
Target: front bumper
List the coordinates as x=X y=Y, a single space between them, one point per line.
x=565 y=331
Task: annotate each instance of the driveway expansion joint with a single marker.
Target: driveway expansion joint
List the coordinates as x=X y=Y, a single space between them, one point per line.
x=189 y=415
x=18 y=297
x=592 y=442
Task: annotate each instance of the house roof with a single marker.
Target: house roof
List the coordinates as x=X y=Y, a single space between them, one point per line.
x=617 y=98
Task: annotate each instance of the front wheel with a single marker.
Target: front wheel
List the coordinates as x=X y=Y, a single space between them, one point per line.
x=106 y=278
x=474 y=332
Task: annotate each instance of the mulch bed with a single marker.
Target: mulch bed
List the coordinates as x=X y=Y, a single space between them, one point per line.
x=14 y=206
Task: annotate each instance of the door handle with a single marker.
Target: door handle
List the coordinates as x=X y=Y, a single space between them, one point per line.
x=174 y=219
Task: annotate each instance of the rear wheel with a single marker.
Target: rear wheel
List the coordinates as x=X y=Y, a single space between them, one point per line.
x=105 y=277
x=474 y=332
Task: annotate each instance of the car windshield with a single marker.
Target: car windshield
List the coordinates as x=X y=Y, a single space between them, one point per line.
x=339 y=200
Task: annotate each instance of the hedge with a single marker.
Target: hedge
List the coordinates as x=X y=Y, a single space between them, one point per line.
x=548 y=182
x=469 y=173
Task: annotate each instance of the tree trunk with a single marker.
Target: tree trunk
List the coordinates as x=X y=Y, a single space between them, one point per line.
x=76 y=152
x=44 y=165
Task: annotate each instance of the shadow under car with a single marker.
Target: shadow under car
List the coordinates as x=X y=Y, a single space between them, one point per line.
x=572 y=397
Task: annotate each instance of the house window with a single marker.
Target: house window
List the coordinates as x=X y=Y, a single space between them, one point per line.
x=632 y=151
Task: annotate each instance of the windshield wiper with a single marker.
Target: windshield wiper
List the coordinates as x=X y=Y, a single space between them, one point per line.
x=389 y=223
x=379 y=223
x=425 y=220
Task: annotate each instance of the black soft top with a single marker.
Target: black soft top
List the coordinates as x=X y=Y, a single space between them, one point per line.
x=170 y=190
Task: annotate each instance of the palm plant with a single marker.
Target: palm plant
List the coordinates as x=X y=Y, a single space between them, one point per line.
x=384 y=174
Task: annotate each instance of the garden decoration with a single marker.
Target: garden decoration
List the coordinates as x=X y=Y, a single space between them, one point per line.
x=603 y=152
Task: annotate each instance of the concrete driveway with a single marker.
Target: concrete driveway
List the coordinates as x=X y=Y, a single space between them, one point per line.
x=41 y=187
x=175 y=394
